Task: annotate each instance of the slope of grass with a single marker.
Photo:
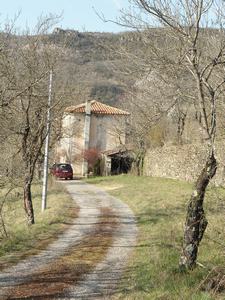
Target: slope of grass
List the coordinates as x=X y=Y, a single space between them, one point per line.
x=159 y=205
x=22 y=240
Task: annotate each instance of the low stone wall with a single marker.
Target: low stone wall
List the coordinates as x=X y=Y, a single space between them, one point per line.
x=183 y=162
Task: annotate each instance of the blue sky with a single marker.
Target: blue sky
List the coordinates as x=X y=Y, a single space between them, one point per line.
x=77 y=14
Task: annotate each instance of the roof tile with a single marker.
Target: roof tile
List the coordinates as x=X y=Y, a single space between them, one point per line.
x=97 y=108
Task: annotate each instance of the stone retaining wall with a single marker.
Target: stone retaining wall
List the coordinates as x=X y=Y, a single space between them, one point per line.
x=183 y=162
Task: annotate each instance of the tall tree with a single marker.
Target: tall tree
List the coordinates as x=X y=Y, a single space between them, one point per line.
x=187 y=47
x=25 y=65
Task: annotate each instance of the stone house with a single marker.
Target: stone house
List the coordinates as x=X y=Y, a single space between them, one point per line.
x=93 y=131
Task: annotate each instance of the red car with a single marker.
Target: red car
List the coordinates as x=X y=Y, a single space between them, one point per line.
x=62 y=171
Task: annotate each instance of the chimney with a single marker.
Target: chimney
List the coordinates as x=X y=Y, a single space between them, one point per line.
x=87 y=124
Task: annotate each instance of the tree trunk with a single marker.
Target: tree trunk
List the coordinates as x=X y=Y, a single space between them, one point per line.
x=139 y=163
x=196 y=221
x=28 y=206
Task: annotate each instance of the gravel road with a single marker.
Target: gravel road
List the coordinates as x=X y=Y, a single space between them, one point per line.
x=101 y=282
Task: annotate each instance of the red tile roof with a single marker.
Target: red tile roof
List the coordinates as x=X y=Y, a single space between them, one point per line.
x=97 y=108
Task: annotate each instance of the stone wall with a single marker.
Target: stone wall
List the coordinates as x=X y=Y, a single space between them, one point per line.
x=183 y=162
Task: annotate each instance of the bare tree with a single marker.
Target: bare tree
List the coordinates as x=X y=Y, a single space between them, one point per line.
x=149 y=122
x=189 y=47
x=26 y=62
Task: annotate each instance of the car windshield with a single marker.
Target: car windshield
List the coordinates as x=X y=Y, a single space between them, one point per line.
x=65 y=167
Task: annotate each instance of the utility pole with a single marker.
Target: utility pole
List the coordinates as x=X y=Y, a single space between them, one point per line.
x=45 y=175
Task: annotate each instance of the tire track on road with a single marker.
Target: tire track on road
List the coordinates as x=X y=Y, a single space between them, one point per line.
x=93 y=282
x=83 y=226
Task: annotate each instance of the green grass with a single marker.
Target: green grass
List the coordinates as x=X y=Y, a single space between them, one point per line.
x=22 y=240
x=159 y=205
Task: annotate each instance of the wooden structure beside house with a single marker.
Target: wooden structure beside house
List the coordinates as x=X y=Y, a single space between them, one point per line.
x=93 y=131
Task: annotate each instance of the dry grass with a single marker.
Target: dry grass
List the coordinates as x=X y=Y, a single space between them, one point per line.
x=23 y=241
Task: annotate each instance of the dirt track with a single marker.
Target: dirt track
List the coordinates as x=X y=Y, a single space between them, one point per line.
x=87 y=261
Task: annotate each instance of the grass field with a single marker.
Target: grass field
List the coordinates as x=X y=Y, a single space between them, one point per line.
x=22 y=240
x=159 y=205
